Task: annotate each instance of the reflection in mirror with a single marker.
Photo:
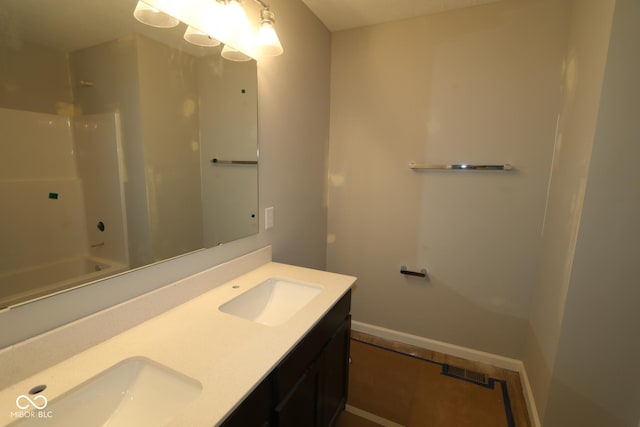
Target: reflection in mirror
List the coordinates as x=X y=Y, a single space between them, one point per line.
x=108 y=131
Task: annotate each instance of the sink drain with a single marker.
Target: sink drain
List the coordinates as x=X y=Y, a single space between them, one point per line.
x=37 y=389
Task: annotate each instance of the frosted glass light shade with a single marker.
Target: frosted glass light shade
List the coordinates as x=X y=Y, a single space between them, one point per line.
x=267 y=42
x=238 y=30
x=151 y=16
x=236 y=16
x=233 y=54
x=199 y=38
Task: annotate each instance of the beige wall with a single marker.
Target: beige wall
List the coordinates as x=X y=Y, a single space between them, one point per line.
x=24 y=84
x=479 y=85
x=583 y=70
x=170 y=123
x=293 y=133
x=596 y=377
x=228 y=131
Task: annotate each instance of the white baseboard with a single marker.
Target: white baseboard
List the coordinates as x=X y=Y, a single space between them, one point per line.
x=371 y=417
x=528 y=397
x=458 y=351
x=440 y=346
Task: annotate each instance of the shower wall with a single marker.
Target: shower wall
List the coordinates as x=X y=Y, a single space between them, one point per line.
x=53 y=187
x=55 y=190
x=42 y=216
x=100 y=164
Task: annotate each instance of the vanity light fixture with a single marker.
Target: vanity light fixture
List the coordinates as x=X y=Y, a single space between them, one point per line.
x=267 y=41
x=211 y=22
x=149 y=15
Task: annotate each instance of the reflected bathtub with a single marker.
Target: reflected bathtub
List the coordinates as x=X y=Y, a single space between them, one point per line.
x=24 y=285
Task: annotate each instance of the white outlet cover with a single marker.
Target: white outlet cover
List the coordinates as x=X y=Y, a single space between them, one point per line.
x=268 y=218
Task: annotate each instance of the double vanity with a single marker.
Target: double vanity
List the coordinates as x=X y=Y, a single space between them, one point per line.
x=266 y=348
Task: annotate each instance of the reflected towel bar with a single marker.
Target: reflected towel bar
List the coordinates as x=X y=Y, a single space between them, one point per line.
x=235 y=162
x=464 y=166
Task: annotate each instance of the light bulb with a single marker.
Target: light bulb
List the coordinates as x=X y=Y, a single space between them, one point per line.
x=151 y=16
x=199 y=38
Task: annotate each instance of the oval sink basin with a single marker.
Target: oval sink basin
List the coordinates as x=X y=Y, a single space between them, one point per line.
x=135 y=392
x=272 y=302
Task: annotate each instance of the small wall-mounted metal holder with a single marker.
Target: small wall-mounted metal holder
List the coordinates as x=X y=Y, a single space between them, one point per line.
x=235 y=162
x=422 y=273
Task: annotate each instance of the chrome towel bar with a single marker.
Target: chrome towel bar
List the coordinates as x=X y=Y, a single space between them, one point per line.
x=463 y=166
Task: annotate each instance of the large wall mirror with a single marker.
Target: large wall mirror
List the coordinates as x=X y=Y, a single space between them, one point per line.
x=108 y=129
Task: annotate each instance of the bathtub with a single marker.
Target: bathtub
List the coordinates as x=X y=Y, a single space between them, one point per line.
x=34 y=282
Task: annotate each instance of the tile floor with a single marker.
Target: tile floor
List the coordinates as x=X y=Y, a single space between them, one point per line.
x=393 y=384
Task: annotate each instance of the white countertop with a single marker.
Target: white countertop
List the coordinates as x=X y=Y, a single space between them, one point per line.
x=228 y=355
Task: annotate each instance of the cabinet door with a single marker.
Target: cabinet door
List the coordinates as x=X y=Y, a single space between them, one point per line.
x=307 y=352
x=335 y=375
x=254 y=411
x=300 y=407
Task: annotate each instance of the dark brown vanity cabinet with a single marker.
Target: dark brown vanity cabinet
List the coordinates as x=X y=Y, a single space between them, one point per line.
x=255 y=410
x=309 y=387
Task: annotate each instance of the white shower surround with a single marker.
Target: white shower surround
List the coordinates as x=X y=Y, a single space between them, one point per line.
x=48 y=229
x=45 y=279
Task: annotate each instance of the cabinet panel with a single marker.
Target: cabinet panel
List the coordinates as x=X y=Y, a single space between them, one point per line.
x=255 y=410
x=298 y=360
x=300 y=406
x=334 y=375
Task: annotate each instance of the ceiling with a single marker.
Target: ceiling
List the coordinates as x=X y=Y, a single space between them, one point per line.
x=345 y=14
